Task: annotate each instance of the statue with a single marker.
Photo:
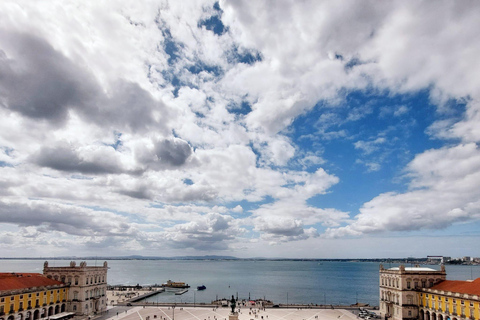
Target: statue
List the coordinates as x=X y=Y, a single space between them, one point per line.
x=233 y=304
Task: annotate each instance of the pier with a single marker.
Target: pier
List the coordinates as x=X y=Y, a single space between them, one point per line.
x=181 y=292
x=144 y=296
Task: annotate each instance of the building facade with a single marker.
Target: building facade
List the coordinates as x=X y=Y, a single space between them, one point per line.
x=31 y=296
x=87 y=286
x=399 y=288
x=450 y=300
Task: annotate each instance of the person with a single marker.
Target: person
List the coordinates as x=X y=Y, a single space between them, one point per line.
x=233 y=304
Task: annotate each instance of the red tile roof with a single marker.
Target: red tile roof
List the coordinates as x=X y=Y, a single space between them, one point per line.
x=469 y=287
x=16 y=281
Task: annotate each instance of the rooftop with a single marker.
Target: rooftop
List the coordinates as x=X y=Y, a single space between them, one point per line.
x=457 y=286
x=413 y=269
x=17 y=281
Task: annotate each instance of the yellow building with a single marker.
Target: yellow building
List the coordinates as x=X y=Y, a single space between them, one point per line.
x=450 y=300
x=31 y=296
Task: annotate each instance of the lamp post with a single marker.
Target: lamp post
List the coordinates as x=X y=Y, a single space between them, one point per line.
x=194 y=298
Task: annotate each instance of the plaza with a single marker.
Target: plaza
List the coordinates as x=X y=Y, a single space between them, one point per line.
x=204 y=313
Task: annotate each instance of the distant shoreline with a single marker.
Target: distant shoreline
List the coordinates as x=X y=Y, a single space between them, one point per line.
x=406 y=261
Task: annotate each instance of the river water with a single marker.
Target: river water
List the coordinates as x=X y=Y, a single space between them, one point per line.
x=305 y=282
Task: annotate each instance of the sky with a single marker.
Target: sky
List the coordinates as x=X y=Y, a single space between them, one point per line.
x=293 y=129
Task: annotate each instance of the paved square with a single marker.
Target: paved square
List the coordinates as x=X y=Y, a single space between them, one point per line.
x=203 y=313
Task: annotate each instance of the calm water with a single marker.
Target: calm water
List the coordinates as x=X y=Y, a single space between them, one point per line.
x=280 y=281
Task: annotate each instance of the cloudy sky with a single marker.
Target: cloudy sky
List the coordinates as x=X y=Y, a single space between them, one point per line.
x=317 y=129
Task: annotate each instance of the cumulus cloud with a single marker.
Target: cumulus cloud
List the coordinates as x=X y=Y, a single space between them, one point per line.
x=41 y=83
x=172 y=111
x=90 y=160
x=210 y=232
x=73 y=220
x=443 y=193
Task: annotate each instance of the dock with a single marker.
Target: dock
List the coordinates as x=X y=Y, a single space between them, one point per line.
x=146 y=295
x=181 y=292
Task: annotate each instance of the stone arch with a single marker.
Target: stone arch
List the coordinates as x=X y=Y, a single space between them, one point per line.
x=427 y=315
x=62 y=309
x=434 y=316
x=28 y=315
x=10 y=318
x=421 y=315
x=57 y=309
x=50 y=311
x=440 y=316
x=20 y=316
x=36 y=314
x=44 y=313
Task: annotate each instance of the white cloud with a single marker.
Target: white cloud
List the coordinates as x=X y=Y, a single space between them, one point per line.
x=133 y=108
x=443 y=192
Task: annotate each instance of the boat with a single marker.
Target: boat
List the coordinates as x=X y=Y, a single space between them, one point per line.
x=202 y=287
x=176 y=285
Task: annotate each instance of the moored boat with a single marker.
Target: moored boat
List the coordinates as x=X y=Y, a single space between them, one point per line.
x=202 y=287
x=177 y=285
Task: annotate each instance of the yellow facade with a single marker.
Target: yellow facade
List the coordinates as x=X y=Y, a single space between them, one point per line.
x=30 y=300
x=453 y=306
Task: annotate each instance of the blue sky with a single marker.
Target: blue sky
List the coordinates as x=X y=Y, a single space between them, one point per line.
x=310 y=129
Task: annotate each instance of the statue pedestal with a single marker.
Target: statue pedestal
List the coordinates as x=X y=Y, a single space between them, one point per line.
x=233 y=316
